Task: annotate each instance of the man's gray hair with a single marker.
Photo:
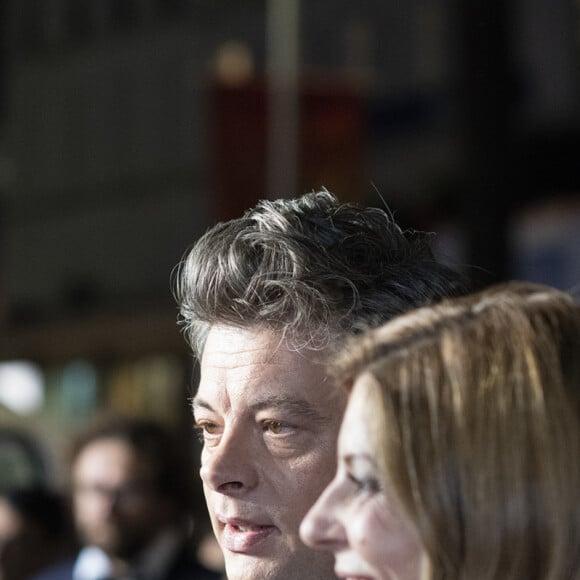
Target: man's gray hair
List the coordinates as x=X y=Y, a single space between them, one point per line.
x=310 y=268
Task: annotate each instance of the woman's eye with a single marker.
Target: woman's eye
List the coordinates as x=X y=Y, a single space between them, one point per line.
x=368 y=485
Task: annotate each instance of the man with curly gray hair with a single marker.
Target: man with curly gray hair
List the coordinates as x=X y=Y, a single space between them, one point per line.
x=265 y=300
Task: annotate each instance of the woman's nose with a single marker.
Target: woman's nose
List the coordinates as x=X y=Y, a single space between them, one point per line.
x=322 y=528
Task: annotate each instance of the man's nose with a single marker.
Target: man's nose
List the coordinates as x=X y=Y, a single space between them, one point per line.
x=322 y=528
x=230 y=466
x=109 y=504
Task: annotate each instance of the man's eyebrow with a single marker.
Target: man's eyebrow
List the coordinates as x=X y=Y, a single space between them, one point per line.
x=198 y=403
x=288 y=405
x=291 y=406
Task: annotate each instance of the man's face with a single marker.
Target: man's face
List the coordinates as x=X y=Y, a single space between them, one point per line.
x=270 y=419
x=115 y=502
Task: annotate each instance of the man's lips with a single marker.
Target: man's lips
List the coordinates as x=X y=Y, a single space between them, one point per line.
x=349 y=576
x=244 y=536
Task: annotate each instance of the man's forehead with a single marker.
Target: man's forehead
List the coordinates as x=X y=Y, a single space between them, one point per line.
x=265 y=385
x=255 y=369
x=238 y=347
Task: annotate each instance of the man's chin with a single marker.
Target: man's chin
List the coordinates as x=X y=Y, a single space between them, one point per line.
x=244 y=567
x=114 y=545
x=319 y=566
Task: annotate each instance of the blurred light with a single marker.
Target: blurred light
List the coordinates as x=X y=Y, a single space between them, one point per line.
x=21 y=387
x=234 y=64
x=79 y=387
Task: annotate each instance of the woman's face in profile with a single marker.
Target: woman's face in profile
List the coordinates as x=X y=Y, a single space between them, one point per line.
x=355 y=517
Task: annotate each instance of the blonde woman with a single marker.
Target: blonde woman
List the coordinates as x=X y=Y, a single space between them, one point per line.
x=459 y=454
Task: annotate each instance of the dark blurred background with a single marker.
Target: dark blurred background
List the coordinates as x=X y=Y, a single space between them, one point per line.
x=127 y=127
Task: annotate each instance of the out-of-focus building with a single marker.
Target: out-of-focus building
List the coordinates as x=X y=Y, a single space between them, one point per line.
x=128 y=126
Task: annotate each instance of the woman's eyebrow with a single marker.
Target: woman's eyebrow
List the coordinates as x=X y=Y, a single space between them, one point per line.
x=352 y=458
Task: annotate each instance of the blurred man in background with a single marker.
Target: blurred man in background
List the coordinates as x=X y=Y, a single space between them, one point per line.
x=132 y=504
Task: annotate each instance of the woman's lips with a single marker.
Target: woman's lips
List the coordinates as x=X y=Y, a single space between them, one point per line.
x=245 y=537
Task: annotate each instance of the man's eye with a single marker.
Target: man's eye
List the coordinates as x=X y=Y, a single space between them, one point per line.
x=274 y=427
x=204 y=428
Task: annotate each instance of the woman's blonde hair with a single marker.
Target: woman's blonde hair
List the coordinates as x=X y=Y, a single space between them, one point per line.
x=481 y=437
